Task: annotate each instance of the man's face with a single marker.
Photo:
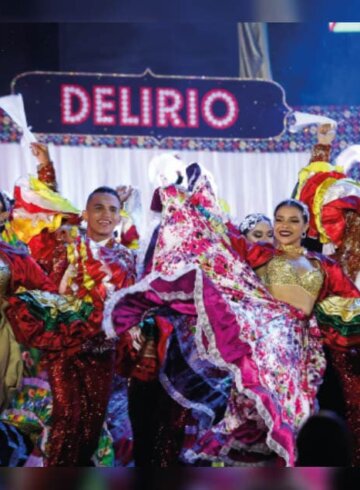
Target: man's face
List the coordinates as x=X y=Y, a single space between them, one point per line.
x=102 y=215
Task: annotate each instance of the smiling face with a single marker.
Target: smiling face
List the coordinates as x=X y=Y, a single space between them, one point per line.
x=102 y=215
x=289 y=226
x=262 y=232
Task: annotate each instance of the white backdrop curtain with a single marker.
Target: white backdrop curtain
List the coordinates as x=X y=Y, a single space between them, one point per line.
x=249 y=182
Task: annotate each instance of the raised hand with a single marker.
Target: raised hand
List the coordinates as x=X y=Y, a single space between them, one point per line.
x=40 y=152
x=124 y=192
x=66 y=234
x=326 y=134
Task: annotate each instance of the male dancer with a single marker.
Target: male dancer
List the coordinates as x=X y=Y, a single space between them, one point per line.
x=91 y=268
x=81 y=384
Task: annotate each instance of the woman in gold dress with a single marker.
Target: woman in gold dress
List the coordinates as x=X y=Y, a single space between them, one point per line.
x=265 y=338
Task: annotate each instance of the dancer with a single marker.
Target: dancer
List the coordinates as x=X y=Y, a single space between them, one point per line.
x=16 y=269
x=52 y=237
x=41 y=218
x=26 y=419
x=257 y=227
x=80 y=378
x=333 y=196
x=86 y=270
x=229 y=325
x=130 y=208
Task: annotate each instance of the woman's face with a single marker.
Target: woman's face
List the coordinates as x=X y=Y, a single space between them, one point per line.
x=289 y=226
x=262 y=232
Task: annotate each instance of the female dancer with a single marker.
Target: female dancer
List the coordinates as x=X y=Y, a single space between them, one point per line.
x=16 y=269
x=257 y=227
x=333 y=197
x=225 y=324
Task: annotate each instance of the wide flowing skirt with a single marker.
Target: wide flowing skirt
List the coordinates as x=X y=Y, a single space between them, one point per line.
x=249 y=369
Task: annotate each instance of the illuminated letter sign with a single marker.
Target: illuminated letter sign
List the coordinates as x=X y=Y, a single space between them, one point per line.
x=151 y=105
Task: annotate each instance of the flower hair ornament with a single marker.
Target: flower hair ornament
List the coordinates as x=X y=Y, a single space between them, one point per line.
x=251 y=220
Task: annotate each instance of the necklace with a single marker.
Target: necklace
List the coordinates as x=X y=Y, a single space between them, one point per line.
x=292 y=249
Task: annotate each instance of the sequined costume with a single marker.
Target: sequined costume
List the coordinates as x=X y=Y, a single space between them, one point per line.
x=79 y=365
x=334 y=203
x=25 y=425
x=16 y=269
x=347 y=364
x=81 y=368
x=10 y=355
x=337 y=302
x=246 y=364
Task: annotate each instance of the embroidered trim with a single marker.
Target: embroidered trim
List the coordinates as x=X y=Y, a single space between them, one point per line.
x=202 y=327
x=140 y=287
x=214 y=356
x=178 y=397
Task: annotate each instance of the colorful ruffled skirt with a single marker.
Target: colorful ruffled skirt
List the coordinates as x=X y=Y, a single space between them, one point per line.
x=248 y=369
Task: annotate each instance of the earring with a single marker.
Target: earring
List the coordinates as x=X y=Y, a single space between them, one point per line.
x=303 y=234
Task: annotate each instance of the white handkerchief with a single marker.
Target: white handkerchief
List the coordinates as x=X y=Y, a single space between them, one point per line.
x=303 y=119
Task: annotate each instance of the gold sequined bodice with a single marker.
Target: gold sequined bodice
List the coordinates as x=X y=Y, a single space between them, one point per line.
x=281 y=271
x=5 y=275
x=289 y=282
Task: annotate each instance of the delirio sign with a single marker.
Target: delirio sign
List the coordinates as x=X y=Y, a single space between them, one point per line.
x=152 y=105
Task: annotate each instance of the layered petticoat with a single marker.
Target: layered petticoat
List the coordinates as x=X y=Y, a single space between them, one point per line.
x=249 y=370
x=247 y=365
x=59 y=326
x=56 y=325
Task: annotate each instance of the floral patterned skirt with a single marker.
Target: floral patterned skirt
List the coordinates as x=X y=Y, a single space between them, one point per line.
x=249 y=370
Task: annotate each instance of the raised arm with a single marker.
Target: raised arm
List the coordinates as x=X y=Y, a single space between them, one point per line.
x=45 y=167
x=321 y=151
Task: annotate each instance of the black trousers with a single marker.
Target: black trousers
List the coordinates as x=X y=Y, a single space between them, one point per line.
x=158 y=425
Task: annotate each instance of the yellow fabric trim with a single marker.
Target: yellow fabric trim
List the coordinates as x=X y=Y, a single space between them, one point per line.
x=134 y=245
x=314 y=168
x=25 y=228
x=71 y=254
x=346 y=308
x=55 y=302
x=317 y=205
x=124 y=214
x=88 y=282
x=48 y=195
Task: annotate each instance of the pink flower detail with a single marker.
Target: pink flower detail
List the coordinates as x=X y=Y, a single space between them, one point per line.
x=199 y=199
x=198 y=247
x=220 y=265
x=178 y=216
x=171 y=191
